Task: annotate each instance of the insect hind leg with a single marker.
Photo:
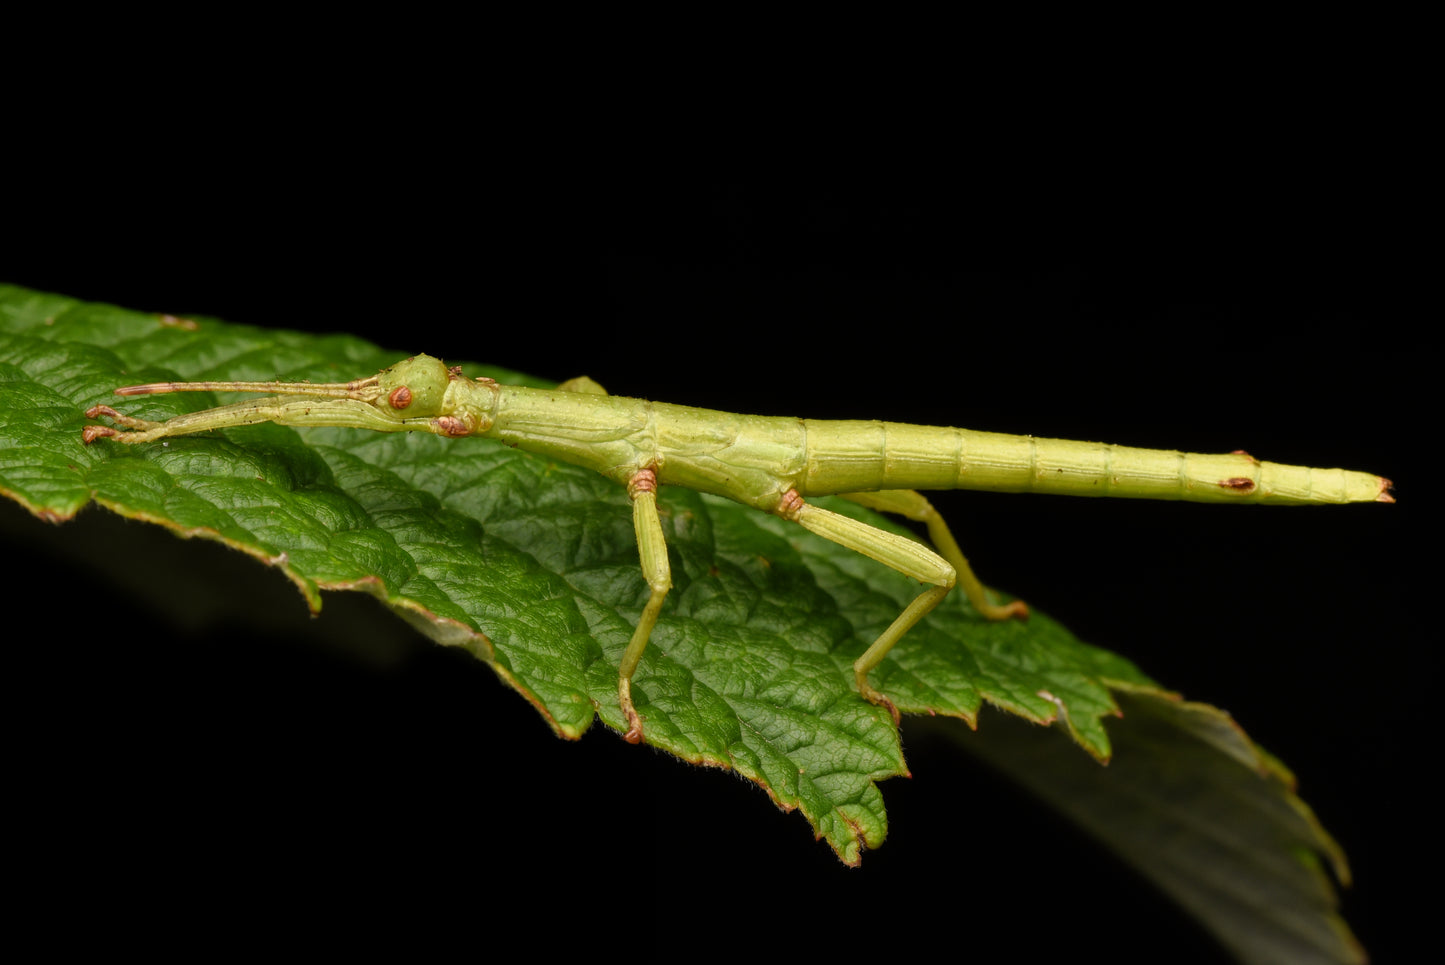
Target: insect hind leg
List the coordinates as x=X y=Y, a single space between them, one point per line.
x=911 y=504
x=899 y=552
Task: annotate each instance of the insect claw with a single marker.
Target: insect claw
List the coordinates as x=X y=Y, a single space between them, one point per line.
x=1018 y=609
x=91 y=433
x=865 y=689
x=1013 y=610
x=634 y=727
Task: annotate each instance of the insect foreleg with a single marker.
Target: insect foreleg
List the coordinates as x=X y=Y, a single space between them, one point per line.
x=899 y=552
x=134 y=430
x=911 y=504
x=136 y=426
x=652 y=550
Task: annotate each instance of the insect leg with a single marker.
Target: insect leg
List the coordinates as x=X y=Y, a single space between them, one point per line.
x=135 y=430
x=911 y=504
x=902 y=554
x=134 y=425
x=652 y=550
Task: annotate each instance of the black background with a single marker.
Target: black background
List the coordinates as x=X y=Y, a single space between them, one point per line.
x=1238 y=284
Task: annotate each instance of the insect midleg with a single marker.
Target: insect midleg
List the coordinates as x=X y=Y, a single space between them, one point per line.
x=899 y=552
x=912 y=504
x=652 y=550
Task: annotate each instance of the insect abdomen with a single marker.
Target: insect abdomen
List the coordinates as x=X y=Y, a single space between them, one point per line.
x=863 y=456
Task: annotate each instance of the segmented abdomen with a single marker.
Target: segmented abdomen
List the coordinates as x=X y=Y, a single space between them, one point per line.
x=863 y=456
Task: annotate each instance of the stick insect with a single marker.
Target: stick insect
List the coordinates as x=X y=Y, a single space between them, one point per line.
x=769 y=463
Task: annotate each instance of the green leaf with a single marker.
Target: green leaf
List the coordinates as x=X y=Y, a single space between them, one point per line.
x=531 y=565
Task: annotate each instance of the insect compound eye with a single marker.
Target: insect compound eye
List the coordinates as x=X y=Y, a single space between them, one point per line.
x=400 y=397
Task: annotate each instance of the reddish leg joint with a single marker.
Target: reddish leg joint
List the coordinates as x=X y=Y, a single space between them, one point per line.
x=451 y=426
x=642 y=481
x=790 y=504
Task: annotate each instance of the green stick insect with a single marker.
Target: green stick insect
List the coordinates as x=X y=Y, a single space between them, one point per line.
x=769 y=463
